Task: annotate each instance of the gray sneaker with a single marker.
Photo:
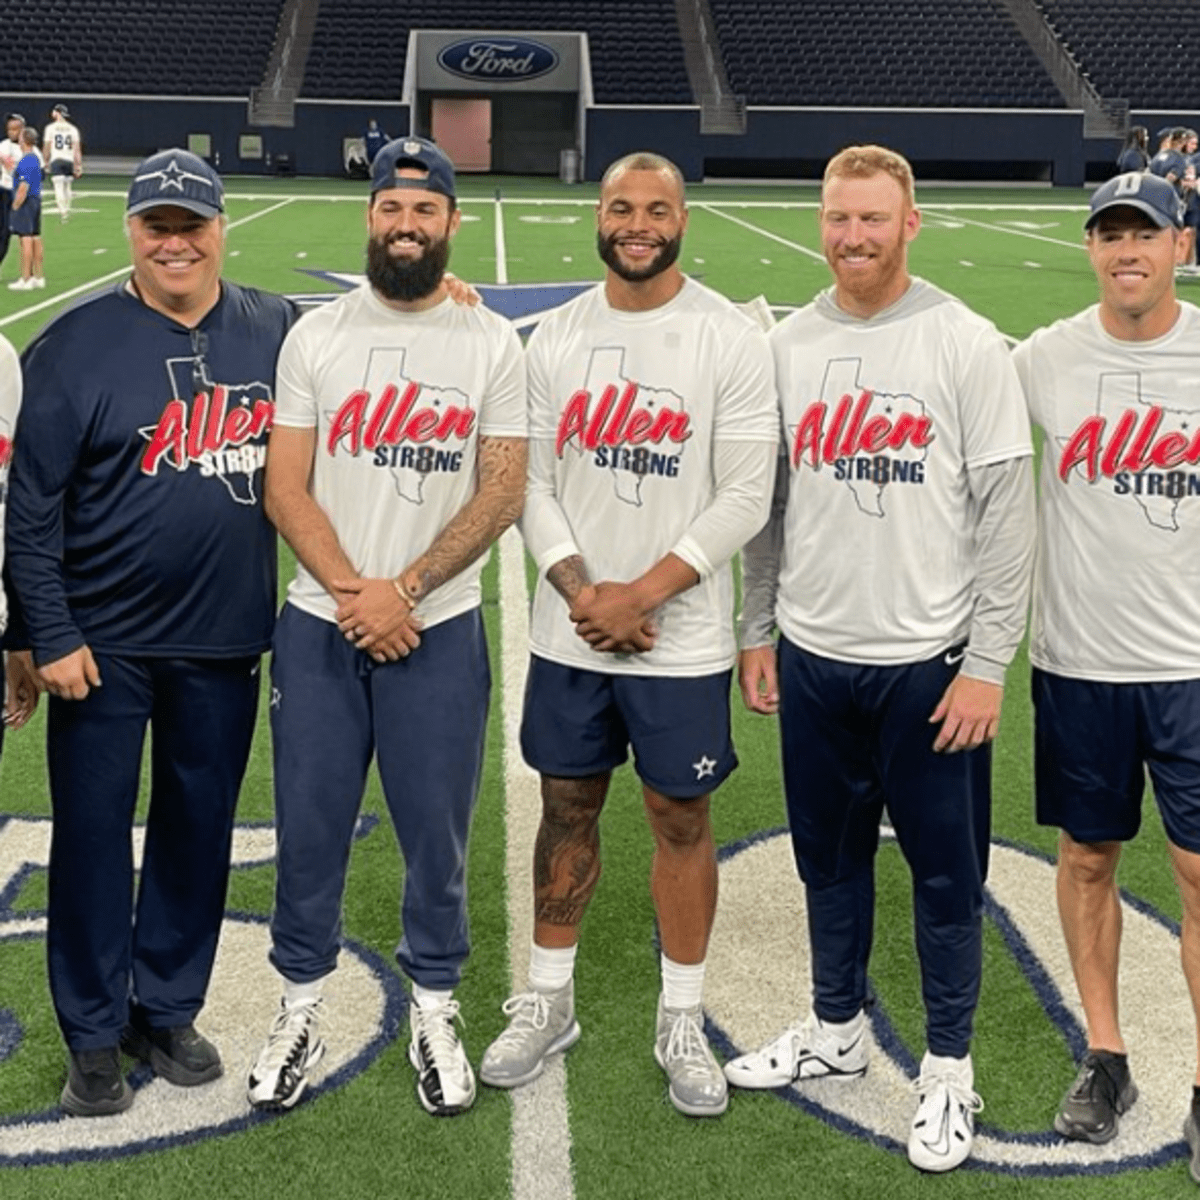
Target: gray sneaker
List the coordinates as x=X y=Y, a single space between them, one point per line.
x=539 y=1023
x=697 y=1084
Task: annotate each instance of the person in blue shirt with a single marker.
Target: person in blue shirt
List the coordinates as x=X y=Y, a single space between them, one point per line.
x=374 y=140
x=25 y=219
x=1134 y=154
x=145 y=571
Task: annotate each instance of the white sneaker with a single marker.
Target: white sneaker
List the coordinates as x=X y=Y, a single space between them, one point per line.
x=37 y=281
x=944 y=1125
x=21 y=285
x=280 y=1073
x=810 y=1050
x=445 y=1081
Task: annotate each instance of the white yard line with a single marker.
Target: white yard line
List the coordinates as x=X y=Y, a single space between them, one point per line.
x=762 y=232
x=541 y=1136
x=501 y=251
x=100 y=280
x=1025 y=233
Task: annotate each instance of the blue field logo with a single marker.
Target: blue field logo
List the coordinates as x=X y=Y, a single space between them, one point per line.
x=498 y=59
x=751 y=997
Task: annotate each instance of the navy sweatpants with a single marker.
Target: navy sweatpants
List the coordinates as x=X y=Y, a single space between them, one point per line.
x=857 y=738
x=423 y=719
x=107 y=947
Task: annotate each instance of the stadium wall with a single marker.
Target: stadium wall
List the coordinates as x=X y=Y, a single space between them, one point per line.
x=1016 y=144
x=996 y=144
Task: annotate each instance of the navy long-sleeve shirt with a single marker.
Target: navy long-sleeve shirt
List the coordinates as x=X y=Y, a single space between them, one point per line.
x=135 y=521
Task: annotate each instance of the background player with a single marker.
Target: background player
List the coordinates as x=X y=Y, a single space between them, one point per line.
x=397 y=458
x=10 y=155
x=63 y=151
x=145 y=569
x=652 y=434
x=25 y=216
x=1115 y=635
x=906 y=434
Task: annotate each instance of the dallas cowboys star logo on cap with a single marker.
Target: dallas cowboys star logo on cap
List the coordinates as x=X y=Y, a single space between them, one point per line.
x=172 y=176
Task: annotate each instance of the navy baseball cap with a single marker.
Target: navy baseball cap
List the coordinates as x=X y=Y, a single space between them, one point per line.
x=61 y=109
x=176 y=177
x=412 y=152
x=1147 y=193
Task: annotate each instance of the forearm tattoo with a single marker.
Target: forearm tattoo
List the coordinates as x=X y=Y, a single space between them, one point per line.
x=493 y=508
x=569 y=577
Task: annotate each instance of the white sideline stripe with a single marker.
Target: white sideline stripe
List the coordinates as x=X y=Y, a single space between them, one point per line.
x=92 y=284
x=501 y=252
x=541 y=1133
x=762 y=232
x=1037 y=237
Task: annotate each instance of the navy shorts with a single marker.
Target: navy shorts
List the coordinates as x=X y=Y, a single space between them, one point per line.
x=26 y=221
x=1094 y=744
x=580 y=723
x=62 y=166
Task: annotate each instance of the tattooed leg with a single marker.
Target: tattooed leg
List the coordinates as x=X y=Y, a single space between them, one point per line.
x=683 y=876
x=566 y=857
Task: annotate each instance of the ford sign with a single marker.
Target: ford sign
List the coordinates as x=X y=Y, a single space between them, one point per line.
x=498 y=60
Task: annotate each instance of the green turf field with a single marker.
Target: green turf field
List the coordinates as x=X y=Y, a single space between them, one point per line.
x=603 y=1128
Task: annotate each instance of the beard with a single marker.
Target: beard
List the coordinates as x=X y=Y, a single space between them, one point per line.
x=668 y=252
x=406 y=280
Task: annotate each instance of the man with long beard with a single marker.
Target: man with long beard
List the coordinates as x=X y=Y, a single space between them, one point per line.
x=653 y=432
x=396 y=459
x=898 y=573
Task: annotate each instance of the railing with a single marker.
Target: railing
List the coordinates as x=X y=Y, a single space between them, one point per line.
x=721 y=111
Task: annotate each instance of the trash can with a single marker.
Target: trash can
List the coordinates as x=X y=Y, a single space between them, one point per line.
x=568 y=165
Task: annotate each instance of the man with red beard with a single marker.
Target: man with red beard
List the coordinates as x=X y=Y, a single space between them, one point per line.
x=652 y=436
x=896 y=568
x=1115 y=633
x=396 y=459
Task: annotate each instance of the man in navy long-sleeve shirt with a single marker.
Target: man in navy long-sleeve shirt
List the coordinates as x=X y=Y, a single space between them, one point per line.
x=145 y=569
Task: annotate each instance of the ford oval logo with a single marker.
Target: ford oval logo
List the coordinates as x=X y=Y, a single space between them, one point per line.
x=498 y=60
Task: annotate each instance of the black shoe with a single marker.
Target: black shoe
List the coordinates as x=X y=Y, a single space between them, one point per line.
x=1102 y=1091
x=95 y=1085
x=1192 y=1136
x=178 y=1053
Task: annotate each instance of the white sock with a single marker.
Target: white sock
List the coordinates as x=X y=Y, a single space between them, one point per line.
x=295 y=994
x=60 y=193
x=682 y=984
x=843 y=1028
x=551 y=970
x=428 y=998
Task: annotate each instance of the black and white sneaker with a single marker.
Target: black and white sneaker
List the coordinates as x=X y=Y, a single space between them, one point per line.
x=1103 y=1090
x=445 y=1081
x=1191 y=1135
x=279 y=1076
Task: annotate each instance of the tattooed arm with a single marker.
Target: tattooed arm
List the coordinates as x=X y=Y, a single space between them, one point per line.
x=495 y=505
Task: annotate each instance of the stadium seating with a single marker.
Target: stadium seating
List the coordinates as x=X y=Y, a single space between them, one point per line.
x=1147 y=56
x=359 y=47
x=880 y=53
x=143 y=47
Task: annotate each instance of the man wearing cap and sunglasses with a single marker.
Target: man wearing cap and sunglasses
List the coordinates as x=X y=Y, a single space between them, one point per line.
x=1115 y=635
x=397 y=458
x=145 y=568
x=63 y=152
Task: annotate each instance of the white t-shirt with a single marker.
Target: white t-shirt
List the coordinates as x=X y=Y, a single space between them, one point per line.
x=625 y=409
x=399 y=401
x=10 y=403
x=882 y=417
x=62 y=137
x=10 y=152
x=1117 y=582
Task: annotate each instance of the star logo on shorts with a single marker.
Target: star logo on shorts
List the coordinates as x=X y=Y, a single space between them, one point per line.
x=706 y=767
x=276 y=697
